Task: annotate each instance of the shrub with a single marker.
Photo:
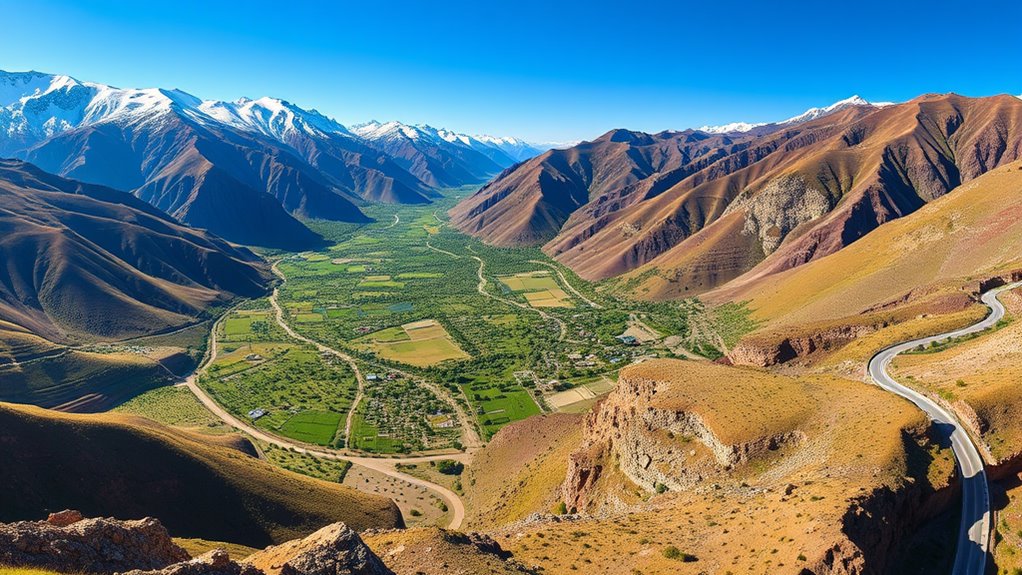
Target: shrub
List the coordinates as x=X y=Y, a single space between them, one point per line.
x=450 y=467
x=672 y=552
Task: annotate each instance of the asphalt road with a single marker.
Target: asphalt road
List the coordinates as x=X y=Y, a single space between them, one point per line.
x=974 y=535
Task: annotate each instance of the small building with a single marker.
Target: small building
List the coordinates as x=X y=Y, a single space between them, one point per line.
x=372 y=377
x=628 y=339
x=256 y=413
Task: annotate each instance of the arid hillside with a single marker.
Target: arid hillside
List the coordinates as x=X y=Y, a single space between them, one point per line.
x=685 y=455
x=911 y=274
x=87 y=262
x=685 y=212
x=199 y=486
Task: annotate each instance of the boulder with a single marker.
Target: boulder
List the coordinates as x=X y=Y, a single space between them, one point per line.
x=333 y=550
x=68 y=543
x=216 y=562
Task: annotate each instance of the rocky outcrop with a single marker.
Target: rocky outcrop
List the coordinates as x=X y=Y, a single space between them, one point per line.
x=333 y=550
x=781 y=206
x=68 y=543
x=216 y=562
x=656 y=447
x=766 y=350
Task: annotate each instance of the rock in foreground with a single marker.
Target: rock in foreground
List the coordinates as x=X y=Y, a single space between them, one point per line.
x=333 y=550
x=88 y=545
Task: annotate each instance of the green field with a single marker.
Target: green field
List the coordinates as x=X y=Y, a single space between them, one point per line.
x=318 y=427
x=380 y=278
x=174 y=406
x=302 y=392
x=421 y=344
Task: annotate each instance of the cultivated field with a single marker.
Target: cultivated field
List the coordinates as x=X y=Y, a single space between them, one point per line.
x=539 y=288
x=422 y=343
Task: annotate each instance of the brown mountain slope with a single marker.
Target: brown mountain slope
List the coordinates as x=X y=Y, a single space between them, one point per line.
x=241 y=186
x=709 y=214
x=131 y=467
x=929 y=262
x=84 y=262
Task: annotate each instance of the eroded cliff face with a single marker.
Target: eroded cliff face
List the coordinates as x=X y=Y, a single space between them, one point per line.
x=657 y=448
x=635 y=436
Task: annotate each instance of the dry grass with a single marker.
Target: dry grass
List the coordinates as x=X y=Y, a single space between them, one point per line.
x=736 y=520
x=196 y=547
x=979 y=377
x=974 y=232
x=520 y=470
x=198 y=486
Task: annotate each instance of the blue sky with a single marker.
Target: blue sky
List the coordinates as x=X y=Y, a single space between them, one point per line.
x=545 y=70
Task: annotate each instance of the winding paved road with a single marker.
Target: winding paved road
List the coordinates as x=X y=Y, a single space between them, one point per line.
x=974 y=535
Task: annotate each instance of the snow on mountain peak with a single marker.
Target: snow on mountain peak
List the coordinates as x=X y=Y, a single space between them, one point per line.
x=272 y=117
x=810 y=114
x=35 y=106
x=730 y=128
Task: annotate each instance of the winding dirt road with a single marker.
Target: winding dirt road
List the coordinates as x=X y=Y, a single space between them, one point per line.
x=567 y=284
x=481 y=288
x=383 y=465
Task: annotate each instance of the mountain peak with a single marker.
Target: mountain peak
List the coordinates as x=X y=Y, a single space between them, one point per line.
x=810 y=114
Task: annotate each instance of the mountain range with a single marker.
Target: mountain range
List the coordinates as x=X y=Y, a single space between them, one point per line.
x=680 y=213
x=82 y=261
x=249 y=170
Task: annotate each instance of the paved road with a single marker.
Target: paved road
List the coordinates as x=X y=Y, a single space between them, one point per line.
x=382 y=465
x=974 y=536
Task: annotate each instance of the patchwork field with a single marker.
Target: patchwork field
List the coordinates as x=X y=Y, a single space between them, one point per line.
x=581 y=398
x=368 y=292
x=280 y=385
x=421 y=343
x=539 y=288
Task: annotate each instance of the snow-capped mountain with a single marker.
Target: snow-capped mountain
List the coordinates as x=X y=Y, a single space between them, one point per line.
x=271 y=117
x=730 y=128
x=808 y=115
x=442 y=157
x=514 y=149
x=243 y=169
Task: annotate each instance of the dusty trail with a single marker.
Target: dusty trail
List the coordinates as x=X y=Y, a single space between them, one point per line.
x=567 y=284
x=384 y=465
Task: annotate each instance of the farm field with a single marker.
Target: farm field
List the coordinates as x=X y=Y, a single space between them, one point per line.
x=280 y=385
x=539 y=288
x=422 y=344
x=175 y=406
x=581 y=397
x=407 y=296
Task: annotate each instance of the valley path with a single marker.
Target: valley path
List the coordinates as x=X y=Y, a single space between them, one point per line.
x=382 y=465
x=974 y=534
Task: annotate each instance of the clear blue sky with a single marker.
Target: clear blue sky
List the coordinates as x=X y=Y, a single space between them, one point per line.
x=545 y=70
